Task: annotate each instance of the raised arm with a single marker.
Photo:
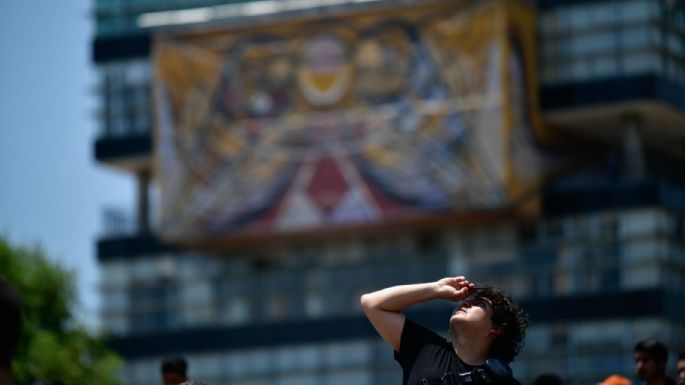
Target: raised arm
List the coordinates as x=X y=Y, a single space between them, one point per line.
x=383 y=308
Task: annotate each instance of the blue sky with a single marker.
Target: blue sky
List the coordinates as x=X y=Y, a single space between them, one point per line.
x=52 y=192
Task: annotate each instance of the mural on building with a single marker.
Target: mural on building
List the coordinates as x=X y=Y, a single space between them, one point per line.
x=364 y=119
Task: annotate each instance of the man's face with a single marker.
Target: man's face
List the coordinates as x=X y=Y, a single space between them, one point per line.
x=680 y=369
x=648 y=368
x=171 y=378
x=475 y=310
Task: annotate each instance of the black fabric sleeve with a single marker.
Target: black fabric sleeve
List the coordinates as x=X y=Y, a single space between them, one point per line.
x=414 y=338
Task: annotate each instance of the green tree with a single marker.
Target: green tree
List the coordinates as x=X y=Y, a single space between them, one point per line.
x=52 y=344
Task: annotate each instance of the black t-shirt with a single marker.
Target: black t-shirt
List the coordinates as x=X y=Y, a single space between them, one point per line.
x=425 y=354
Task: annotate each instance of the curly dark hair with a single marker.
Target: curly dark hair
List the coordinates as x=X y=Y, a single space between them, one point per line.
x=507 y=314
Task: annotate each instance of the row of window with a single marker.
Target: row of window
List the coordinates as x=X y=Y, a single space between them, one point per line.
x=607 y=39
x=330 y=362
x=619 y=225
x=230 y=300
x=602 y=44
x=597 y=14
x=581 y=352
x=189 y=290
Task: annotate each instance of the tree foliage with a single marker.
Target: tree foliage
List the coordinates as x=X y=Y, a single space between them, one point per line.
x=52 y=344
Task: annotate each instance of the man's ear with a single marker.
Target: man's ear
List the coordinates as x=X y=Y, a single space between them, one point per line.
x=496 y=330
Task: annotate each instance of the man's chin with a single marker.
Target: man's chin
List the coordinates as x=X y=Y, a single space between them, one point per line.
x=455 y=320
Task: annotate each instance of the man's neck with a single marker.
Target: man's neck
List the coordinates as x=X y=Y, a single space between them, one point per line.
x=473 y=351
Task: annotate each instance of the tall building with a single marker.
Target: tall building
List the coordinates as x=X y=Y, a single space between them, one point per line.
x=298 y=153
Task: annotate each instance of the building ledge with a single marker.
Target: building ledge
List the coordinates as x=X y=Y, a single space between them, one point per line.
x=604 y=110
x=131 y=247
x=568 y=200
x=111 y=48
x=612 y=90
x=129 y=152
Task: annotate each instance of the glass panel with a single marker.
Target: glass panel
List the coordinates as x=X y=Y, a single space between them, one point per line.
x=636 y=10
x=579 y=18
x=347 y=377
x=636 y=38
x=138 y=71
x=581 y=69
x=603 y=13
x=298 y=379
x=115 y=273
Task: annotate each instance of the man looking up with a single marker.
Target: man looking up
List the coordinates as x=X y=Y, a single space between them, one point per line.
x=485 y=324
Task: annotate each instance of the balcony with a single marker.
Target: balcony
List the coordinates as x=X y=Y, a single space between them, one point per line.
x=124 y=237
x=601 y=109
x=131 y=153
x=134 y=45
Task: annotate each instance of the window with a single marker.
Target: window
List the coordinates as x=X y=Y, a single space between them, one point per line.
x=298 y=379
x=347 y=377
x=153 y=320
x=639 y=38
x=603 y=13
x=596 y=43
x=675 y=44
x=579 y=18
x=295 y=358
x=138 y=71
x=115 y=274
x=115 y=325
x=144 y=371
x=581 y=69
x=116 y=300
x=339 y=355
x=637 y=10
x=236 y=310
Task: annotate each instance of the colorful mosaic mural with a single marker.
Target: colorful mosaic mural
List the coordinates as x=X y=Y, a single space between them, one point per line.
x=364 y=119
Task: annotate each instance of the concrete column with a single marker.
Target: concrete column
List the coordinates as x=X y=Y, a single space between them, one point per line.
x=143 y=201
x=633 y=153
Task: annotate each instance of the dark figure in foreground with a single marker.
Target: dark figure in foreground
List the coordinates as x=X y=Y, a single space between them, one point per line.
x=174 y=371
x=651 y=357
x=680 y=369
x=486 y=327
x=10 y=328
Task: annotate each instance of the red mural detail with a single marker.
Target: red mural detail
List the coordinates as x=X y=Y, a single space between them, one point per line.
x=328 y=184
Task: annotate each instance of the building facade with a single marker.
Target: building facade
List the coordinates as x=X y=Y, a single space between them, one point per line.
x=598 y=262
